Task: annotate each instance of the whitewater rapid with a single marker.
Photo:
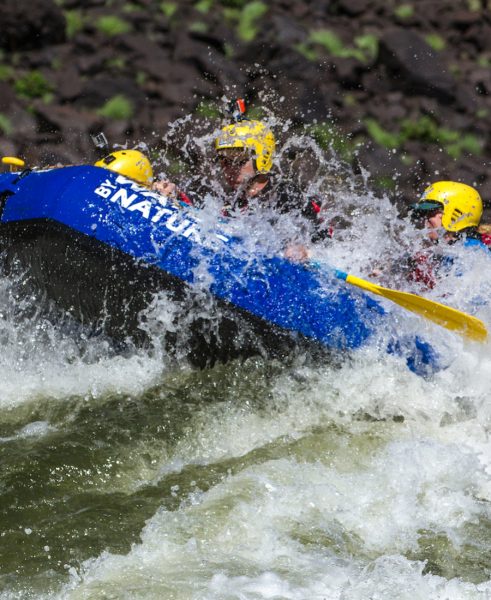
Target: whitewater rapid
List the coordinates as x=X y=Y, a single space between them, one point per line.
x=266 y=480
x=128 y=475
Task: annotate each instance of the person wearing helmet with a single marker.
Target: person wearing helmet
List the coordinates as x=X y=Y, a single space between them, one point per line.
x=129 y=163
x=453 y=207
x=451 y=213
x=245 y=152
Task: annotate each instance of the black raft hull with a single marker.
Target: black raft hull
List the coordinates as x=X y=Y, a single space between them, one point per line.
x=109 y=292
x=101 y=247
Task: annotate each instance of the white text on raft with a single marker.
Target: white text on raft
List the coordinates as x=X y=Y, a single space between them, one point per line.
x=153 y=207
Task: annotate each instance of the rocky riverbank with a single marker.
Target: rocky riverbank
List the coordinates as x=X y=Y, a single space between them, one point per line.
x=403 y=88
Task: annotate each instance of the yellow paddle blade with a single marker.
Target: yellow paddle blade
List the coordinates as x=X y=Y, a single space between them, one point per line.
x=447 y=317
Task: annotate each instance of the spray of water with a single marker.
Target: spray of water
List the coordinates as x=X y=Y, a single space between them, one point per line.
x=256 y=479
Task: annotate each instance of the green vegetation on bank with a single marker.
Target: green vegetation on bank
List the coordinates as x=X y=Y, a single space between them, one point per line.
x=141 y=78
x=250 y=14
x=6 y=72
x=425 y=129
x=33 y=85
x=168 y=8
x=111 y=25
x=204 y=6
x=329 y=137
x=198 y=27
x=365 y=48
x=208 y=110
x=118 y=108
x=118 y=63
x=130 y=8
x=404 y=11
x=74 y=23
x=6 y=126
x=246 y=18
x=385 y=182
x=435 y=41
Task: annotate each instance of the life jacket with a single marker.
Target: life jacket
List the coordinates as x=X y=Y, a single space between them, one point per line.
x=422 y=269
x=486 y=239
x=425 y=266
x=286 y=197
x=185 y=199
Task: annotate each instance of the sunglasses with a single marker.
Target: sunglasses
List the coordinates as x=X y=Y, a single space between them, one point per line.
x=233 y=160
x=420 y=217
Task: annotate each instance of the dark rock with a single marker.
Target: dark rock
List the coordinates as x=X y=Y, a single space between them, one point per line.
x=166 y=69
x=7 y=96
x=96 y=92
x=300 y=10
x=480 y=36
x=485 y=191
x=464 y=18
x=30 y=24
x=42 y=58
x=118 y=130
x=414 y=66
x=429 y=106
x=353 y=7
x=380 y=162
x=480 y=79
x=211 y=63
x=176 y=93
x=377 y=82
x=87 y=3
x=24 y=122
x=85 y=44
x=286 y=32
x=147 y=56
x=348 y=71
x=162 y=115
x=94 y=63
x=57 y=155
x=465 y=99
x=8 y=148
x=68 y=82
x=64 y=120
x=392 y=108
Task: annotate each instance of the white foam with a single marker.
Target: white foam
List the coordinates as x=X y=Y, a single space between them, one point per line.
x=331 y=477
x=296 y=530
x=36 y=429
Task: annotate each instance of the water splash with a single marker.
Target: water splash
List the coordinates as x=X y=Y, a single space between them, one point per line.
x=249 y=480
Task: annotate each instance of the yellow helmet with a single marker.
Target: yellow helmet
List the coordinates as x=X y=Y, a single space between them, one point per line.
x=461 y=204
x=130 y=163
x=252 y=135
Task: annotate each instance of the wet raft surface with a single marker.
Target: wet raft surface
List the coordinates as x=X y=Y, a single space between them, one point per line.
x=101 y=247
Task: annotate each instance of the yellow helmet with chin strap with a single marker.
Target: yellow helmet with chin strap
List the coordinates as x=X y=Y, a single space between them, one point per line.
x=249 y=135
x=461 y=204
x=130 y=163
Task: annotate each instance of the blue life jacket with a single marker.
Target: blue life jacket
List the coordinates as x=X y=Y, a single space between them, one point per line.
x=472 y=242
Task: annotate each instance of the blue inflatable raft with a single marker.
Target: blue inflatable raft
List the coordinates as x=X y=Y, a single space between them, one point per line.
x=101 y=245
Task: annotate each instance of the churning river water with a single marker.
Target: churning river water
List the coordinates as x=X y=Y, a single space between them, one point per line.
x=134 y=477
x=122 y=479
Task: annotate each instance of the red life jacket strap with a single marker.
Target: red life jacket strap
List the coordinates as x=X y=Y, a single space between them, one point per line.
x=184 y=198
